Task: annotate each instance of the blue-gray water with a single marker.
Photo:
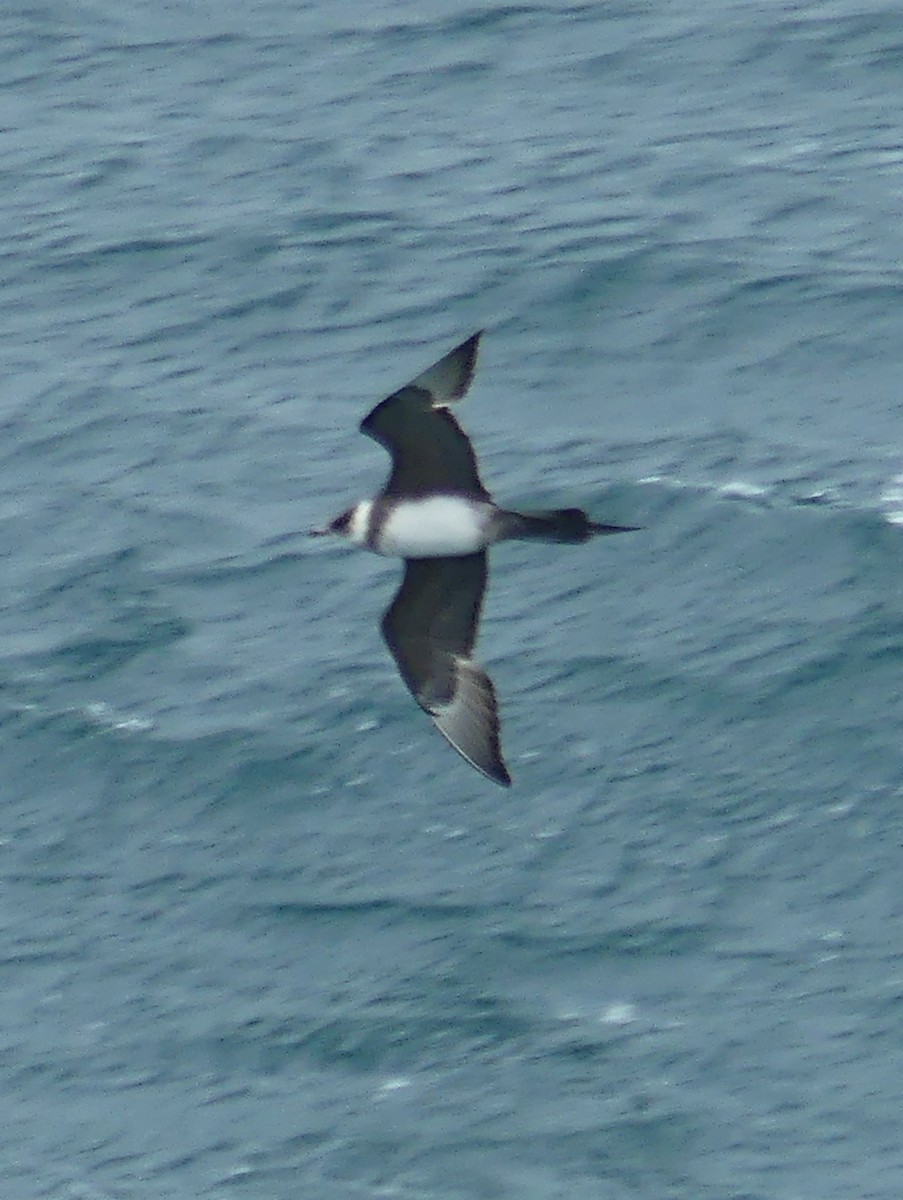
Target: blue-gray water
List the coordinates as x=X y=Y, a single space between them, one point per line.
x=263 y=934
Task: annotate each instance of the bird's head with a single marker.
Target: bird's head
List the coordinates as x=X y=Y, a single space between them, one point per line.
x=351 y=524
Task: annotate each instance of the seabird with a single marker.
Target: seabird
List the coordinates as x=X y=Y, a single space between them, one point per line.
x=436 y=514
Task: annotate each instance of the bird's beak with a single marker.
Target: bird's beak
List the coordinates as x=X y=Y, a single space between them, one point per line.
x=317 y=532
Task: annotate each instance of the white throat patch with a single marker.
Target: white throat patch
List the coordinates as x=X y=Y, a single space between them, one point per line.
x=359 y=524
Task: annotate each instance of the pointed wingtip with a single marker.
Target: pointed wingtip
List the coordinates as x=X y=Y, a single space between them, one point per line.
x=469 y=721
x=448 y=379
x=495 y=772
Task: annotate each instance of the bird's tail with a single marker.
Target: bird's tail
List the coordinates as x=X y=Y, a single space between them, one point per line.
x=570 y=525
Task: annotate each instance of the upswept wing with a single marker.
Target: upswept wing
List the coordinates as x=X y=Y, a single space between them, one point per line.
x=430 y=629
x=430 y=452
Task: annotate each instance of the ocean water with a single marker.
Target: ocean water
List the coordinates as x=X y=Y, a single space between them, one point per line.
x=263 y=934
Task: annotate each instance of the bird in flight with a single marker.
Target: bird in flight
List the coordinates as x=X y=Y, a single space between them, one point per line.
x=436 y=514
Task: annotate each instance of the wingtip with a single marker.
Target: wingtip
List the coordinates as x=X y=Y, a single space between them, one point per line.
x=448 y=379
x=465 y=358
x=462 y=362
x=496 y=772
x=469 y=722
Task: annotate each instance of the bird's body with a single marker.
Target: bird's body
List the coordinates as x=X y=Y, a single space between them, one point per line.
x=426 y=527
x=435 y=513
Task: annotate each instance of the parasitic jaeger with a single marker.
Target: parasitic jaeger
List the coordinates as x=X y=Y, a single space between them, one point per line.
x=435 y=513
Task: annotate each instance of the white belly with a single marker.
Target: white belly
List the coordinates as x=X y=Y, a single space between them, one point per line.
x=436 y=527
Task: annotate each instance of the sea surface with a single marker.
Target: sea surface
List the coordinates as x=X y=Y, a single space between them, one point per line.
x=262 y=933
